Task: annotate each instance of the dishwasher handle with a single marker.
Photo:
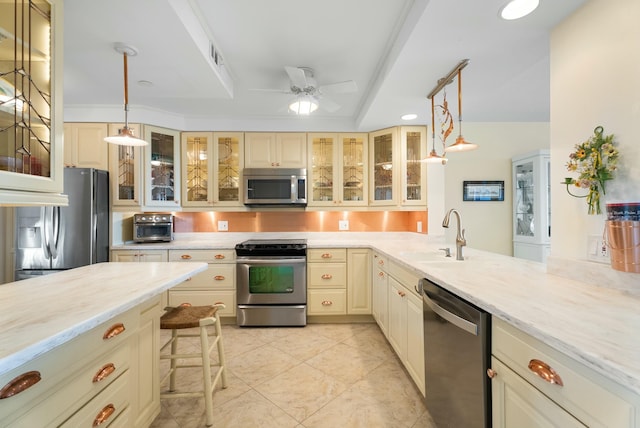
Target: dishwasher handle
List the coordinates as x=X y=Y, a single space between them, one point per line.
x=454 y=319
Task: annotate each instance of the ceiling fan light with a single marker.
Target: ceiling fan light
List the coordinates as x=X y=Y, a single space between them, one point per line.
x=517 y=9
x=461 y=145
x=303 y=105
x=125 y=137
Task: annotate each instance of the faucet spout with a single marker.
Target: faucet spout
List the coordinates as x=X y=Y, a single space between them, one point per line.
x=460 y=239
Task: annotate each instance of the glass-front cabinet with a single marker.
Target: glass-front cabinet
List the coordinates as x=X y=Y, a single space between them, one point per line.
x=31 y=128
x=125 y=165
x=162 y=167
x=336 y=168
x=382 y=164
x=413 y=144
x=531 y=205
x=212 y=168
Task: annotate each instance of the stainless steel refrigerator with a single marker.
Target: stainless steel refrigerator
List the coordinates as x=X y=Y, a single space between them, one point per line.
x=50 y=239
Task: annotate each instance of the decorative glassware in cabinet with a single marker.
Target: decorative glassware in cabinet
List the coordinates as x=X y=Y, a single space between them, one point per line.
x=30 y=81
x=383 y=147
x=228 y=168
x=414 y=143
x=524 y=203
x=197 y=168
x=322 y=150
x=124 y=169
x=163 y=188
x=353 y=172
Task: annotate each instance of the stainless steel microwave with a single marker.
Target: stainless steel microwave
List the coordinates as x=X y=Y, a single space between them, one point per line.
x=153 y=227
x=275 y=186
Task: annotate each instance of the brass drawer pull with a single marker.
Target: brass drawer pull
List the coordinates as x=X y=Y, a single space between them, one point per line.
x=402 y=293
x=104 y=372
x=19 y=384
x=113 y=331
x=327 y=276
x=219 y=256
x=545 y=371
x=327 y=303
x=104 y=414
x=185 y=257
x=326 y=256
x=381 y=274
x=219 y=277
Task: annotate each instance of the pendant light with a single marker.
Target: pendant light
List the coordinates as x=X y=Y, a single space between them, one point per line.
x=433 y=155
x=460 y=145
x=125 y=135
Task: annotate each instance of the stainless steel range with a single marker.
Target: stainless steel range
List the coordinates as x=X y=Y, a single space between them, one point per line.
x=271 y=282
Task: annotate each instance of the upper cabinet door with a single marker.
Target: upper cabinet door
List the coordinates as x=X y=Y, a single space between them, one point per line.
x=125 y=165
x=162 y=167
x=322 y=169
x=31 y=128
x=229 y=147
x=275 y=150
x=85 y=146
x=383 y=166
x=413 y=143
x=197 y=158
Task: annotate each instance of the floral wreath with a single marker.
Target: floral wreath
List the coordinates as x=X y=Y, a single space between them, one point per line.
x=595 y=160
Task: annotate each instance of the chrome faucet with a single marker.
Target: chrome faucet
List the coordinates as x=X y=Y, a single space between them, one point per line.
x=460 y=239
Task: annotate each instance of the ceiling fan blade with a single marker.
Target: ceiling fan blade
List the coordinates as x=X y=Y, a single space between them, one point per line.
x=339 y=87
x=328 y=105
x=297 y=76
x=277 y=91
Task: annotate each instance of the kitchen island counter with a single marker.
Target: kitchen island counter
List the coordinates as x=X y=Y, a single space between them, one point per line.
x=40 y=314
x=593 y=319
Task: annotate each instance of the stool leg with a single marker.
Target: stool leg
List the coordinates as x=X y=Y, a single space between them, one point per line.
x=206 y=372
x=174 y=361
x=221 y=358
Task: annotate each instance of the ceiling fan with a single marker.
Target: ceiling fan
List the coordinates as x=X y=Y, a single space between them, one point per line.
x=310 y=96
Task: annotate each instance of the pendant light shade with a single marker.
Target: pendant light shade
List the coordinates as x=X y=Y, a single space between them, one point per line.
x=125 y=135
x=460 y=145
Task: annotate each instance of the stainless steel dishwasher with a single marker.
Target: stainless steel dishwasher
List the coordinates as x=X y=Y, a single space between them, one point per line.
x=456 y=358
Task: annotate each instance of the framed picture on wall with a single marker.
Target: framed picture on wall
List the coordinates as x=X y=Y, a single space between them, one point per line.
x=483 y=190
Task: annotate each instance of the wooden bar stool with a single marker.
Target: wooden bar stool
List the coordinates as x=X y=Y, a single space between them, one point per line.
x=187 y=316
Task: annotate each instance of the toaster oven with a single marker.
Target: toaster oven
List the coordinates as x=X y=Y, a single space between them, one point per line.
x=152 y=227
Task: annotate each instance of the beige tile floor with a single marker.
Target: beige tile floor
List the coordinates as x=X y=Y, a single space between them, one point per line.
x=321 y=375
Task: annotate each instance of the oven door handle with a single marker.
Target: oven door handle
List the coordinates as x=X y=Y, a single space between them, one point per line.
x=271 y=261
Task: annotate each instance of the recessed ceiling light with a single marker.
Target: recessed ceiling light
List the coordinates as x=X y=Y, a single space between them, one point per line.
x=409 y=116
x=516 y=9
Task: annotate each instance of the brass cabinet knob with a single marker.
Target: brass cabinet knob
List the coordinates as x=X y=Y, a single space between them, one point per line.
x=491 y=373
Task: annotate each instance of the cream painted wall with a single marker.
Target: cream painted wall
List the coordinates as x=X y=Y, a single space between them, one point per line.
x=595 y=80
x=489 y=224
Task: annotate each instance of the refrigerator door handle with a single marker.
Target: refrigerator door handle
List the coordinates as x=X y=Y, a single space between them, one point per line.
x=46 y=233
x=55 y=231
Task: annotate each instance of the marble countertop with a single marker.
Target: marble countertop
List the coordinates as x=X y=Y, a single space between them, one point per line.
x=597 y=325
x=41 y=313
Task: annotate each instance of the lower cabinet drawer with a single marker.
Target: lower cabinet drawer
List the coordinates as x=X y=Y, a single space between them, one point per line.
x=203 y=298
x=104 y=408
x=331 y=275
x=327 y=301
x=216 y=276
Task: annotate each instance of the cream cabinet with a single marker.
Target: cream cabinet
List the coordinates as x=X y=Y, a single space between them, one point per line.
x=398 y=177
x=327 y=281
x=84 y=145
x=532 y=205
x=216 y=284
x=337 y=169
x=97 y=378
x=212 y=168
x=139 y=256
x=31 y=124
x=380 y=291
x=358 y=281
x=533 y=385
x=275 y=150
x=125 y=169
x=162 y=168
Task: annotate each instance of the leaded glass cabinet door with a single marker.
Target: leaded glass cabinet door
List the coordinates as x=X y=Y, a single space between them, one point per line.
x=531 y=206
x=353 y=158
x=125 y=164
x=322 y=169
x=162 y=167
x=31 y=128
x=229 y=148
x=383 y=166
x=197 y=159
x=413 y=141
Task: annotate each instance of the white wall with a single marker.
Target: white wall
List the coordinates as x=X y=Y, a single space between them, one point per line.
x=595 y=80
x=489 y=224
